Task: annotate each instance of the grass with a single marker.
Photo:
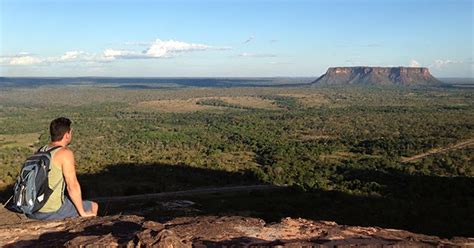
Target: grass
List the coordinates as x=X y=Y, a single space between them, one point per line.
x=310 y=99
x=174 y=106
x=191 y=104
x=18 y=140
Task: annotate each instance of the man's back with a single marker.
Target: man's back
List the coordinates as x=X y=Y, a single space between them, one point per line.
x=55 y=182
x=63 y=175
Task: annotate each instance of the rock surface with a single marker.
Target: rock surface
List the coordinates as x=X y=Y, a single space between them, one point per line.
x=407 y=76
x=206 y=231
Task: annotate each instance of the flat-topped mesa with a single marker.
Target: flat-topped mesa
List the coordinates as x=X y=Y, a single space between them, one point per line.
x=366 y=75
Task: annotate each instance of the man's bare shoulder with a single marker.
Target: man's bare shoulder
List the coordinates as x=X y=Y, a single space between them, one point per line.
x=64 y=153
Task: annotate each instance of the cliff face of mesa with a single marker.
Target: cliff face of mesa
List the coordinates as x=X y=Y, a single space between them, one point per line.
x=364 y=75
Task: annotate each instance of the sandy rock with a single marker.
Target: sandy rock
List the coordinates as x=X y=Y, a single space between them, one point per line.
x=161 y=239
x=206 y=231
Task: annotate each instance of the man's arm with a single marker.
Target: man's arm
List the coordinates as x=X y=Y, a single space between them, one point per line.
x=73 y=186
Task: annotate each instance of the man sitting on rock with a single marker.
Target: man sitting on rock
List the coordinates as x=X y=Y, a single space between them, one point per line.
x=63 y=175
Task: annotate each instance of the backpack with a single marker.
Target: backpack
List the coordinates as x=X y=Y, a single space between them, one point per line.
x=31 y=190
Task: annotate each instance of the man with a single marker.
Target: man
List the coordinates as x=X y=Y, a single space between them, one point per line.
x=63 y=175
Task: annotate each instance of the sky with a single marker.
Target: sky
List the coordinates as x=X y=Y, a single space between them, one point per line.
x=231 y=38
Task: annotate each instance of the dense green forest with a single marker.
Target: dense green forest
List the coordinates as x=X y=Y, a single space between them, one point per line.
x=350 y=140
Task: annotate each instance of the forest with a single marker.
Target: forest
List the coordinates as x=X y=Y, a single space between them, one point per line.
x=316 y=141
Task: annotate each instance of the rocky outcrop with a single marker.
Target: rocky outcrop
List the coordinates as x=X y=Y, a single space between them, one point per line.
x=208 y=231
x=406 y=76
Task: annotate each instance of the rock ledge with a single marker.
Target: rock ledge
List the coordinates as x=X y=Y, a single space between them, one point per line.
x=208 y=231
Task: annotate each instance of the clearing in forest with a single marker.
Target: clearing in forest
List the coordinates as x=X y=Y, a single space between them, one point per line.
x=191 y=105
x=18 y=140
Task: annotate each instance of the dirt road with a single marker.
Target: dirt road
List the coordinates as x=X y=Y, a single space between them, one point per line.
x=460 y=145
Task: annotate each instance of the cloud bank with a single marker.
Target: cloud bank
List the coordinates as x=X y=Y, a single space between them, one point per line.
x=157 y=49
x=441 y=63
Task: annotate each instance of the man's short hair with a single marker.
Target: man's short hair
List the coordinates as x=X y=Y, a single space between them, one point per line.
x=59 y=127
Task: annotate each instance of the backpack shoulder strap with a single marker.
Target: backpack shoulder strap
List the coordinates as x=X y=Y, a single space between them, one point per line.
x=53 y=148
x=43 y=149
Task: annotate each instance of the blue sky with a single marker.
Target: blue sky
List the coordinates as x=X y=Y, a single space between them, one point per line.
x=232 y=38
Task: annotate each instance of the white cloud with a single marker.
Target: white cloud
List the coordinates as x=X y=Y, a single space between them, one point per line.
x=111 y=54
x=4 y=60
x=25 y=60
x=451 y=67
x=414 y=63
x=257 y=55
x=157 y=49
x=165 y=49
x=440 y=63
x=71 y=55
x=80 y=56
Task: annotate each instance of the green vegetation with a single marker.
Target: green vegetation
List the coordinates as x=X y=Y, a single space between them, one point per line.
x=352 y=143
x=219 y=103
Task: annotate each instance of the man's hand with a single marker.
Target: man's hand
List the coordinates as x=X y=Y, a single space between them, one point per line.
x=88 y=214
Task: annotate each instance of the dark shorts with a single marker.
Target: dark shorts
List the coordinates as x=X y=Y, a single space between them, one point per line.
x=65 y=211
